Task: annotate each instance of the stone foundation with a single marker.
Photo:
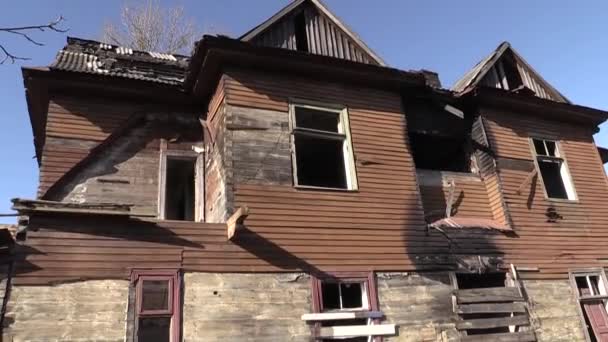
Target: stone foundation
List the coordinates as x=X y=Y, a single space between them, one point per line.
x=93 y=310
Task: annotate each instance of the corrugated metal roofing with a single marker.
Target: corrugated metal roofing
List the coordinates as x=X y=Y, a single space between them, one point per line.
x=92 y=57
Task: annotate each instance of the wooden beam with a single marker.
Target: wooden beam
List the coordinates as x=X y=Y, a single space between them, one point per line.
x=490 y=294
x=489 y=323
x=236 y=220
x=522 y=336
x=491 y=308
x=331 y=316
x=357 y=330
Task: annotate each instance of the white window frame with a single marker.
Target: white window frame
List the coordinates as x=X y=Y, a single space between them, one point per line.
x=602 y=288
x=199 y=180
x=364 y=299
x=564 y=169
x=343 y=133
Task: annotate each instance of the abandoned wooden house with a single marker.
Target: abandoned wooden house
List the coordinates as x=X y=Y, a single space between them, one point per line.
x=288 y=185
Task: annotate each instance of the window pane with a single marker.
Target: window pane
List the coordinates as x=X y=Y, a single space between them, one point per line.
x=552 y=179
x=583 y=287
x=539 y=146
x=594 y=280
x=550 y=148
x=320 y=162
x=352 y=296
x=154 y=329
x=331 y=296
x=317 y=119
x=155 y=295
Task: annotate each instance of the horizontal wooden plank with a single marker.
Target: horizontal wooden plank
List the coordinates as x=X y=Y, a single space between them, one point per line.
x=357 y=330
x=521 y=336
x=332 y=316
x=490 y=294
x=491 y=308
x=488 y=323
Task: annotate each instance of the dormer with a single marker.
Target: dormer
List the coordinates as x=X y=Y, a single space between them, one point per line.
x=506 y=69
x=309 y=26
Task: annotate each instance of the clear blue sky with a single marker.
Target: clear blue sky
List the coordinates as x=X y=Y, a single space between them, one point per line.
x=566 y=41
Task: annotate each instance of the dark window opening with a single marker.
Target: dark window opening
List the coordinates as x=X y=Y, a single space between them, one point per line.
x=321 y=150
x=179 y=189
x=551 y=167
x=480 y=281
x=155 y=295
x=154 y=329
x=343 y=296
x=300 y=31
x=320 y=162
x=440 y=152
x=552 y=178
x=511 y=73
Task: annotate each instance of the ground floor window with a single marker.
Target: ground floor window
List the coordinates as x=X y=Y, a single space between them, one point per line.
x=346 y=293
x=590 y=288
x=156 y=307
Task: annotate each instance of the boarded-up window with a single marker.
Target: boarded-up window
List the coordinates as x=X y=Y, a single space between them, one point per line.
x=553 y=170
x=322 y=152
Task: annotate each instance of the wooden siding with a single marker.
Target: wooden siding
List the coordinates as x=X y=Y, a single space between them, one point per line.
x=74 y=126
x=323 y=37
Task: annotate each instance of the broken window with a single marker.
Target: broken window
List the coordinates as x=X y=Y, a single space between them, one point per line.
x=179 y=192
x=553 y=170
x=156 y=306
x=443 y=153
x=322 y=152
x=593 y=300
x=353 y=295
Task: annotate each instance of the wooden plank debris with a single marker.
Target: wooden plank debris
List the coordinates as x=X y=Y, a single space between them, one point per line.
x=488 y=323
x=236 y=220
x=490 y=294
x=522 y=336
x=491 y=308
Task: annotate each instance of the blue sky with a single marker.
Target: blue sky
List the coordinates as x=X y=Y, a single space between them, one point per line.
x=566 y=41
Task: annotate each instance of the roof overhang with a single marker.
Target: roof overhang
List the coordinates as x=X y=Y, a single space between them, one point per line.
x=603 y=154
x=41 y=82
x=493 y=97
x=214 y=54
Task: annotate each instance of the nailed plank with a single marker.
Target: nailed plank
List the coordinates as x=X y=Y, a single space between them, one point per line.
x=488 y=323
x=491 y=308
x=522 y=336
x=331 y=316
x=490 y=294
x=357 y=330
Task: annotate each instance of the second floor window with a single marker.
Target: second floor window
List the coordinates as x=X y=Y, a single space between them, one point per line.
x=553 y=170
x=322 y=151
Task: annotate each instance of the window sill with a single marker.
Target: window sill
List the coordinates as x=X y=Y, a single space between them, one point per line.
x=320 y=188
x=562 y=200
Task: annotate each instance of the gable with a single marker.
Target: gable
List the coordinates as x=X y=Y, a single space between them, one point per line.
x=506 y=69
x=308 y=26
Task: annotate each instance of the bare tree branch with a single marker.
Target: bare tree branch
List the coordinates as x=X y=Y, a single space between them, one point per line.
x=23 y=31
x=150 y=27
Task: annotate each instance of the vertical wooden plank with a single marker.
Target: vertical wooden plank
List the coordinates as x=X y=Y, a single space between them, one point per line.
x=339 y=45
x=331 y=46
x=322 y=36
x=346 y=48
x=312 y=43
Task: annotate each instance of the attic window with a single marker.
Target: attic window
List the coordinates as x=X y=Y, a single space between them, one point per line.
x=179 y=189
x=553 y=170
x=437 y=152
x=322 y=152
x=300 y=32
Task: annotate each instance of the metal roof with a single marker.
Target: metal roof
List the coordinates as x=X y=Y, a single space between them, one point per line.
x=93 y=57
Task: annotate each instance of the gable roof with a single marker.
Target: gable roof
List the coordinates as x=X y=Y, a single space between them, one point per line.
x=531 y=79
x=324 y=10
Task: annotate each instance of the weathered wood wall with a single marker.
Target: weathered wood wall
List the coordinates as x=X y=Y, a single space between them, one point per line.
x=322 y=35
